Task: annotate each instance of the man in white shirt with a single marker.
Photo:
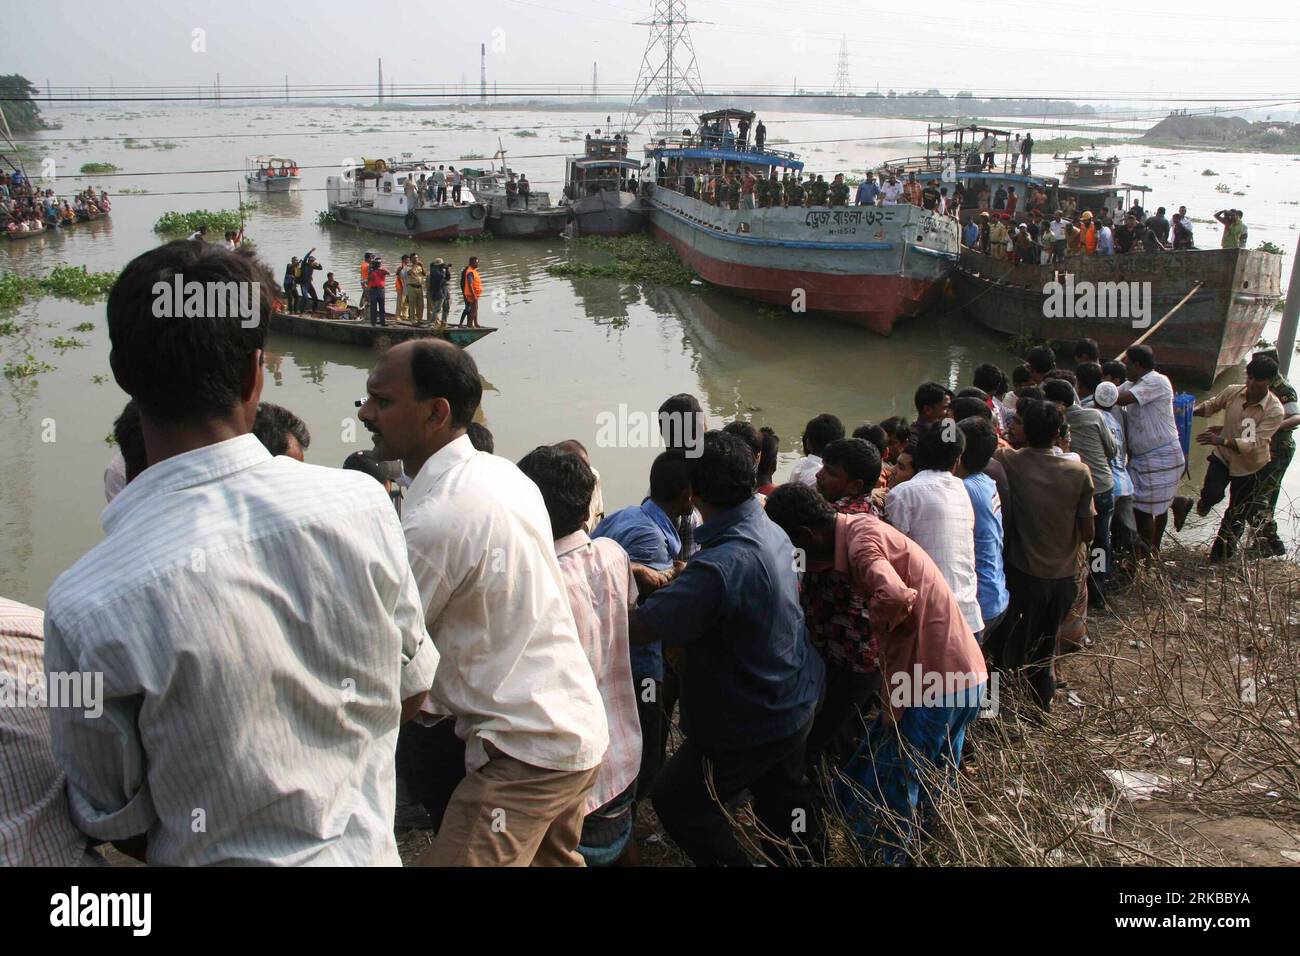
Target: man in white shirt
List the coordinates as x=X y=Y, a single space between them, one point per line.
x=988 y=145
x=934 y=510
x=817 y=434
x=892 y=192
x=255 y=619
x=513 y=672
x=1155 y=453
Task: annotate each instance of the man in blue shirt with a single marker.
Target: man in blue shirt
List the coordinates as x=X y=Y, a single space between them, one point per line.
x=991 y=587
x=648 y=533
x=970 y=234
x=868 y=191
x=750 y=680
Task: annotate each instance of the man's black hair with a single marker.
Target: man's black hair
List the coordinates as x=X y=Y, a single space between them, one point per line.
x=442 y=370
x=746 y=433
x=990 y=379
x=1089 y=377
x=1262 y=367
x=566 y=484
x=794 y=506
x=972 y=391
x=859 y=458
x=273 y=426
x=129 y=436
x=771 y=449
x=821 y=431
x=1141 y=356
x=938 y=446
x=1058 y=390
x=1029 y=391
x=1113 y=369
x=967 y=407
x=480 y=437
x=724 y=473
x=1064 y=374
x=681 y=420
x=874 y=434
x=1020 y=375
x=1042 y=421
x=981 y=443
x=1041 y=359
x=184 y=368
x=1088 y=348
x=896 y=427
x=668 y=477
x=929 y=394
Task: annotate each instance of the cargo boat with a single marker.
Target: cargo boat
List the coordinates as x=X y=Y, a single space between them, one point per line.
x=869 y=265
x=373 y=196
x=597 y=189
x=509 y=216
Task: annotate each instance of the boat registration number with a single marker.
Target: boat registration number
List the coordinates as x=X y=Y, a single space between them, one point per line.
x=843 y=221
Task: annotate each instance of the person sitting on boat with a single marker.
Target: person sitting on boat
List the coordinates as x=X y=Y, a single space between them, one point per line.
x=512 y=192
x=67 y=214
x=525 y=188
x=331 y=290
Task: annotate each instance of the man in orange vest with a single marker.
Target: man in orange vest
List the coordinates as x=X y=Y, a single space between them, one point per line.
x=471 y=289
x=365 y=281
x=1089 y=238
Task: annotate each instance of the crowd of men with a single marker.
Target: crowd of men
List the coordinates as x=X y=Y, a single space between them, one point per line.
x=434 y=188
x=285 y=658
x=25 y=209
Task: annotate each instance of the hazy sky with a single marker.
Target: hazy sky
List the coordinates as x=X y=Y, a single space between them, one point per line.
x=1141 y=49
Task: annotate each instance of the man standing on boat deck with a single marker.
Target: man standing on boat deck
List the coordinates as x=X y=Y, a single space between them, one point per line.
x=742 y=137
x=513 y=672
x=760 y=136
x=440 y=185
x=454 y=179
x=415 y=279
x=409 y=189
x=892 y=191
x=912 y=190
x=987 y=146
x=439 y=294
x=399 y=289
x=868 y=192
x=525 y=188
x=471 y=288
x=377 y=276
x=1026 y=153
x=747 y=187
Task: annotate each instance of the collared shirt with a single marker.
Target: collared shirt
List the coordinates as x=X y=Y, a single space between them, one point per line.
x=805 y=470
x=1123 y=487
x=1150 y=420
x=934 y=510
x=513 y=671
x=35 y=826
x=857 y=504
x=987 y=505
x=748 y=674
x=1286 y=394
x=645 y=543
x=1048 y=494
x=257 y=625
x=1091 y=438
x=1250 y=426
x=601 y=589
x=915 y=617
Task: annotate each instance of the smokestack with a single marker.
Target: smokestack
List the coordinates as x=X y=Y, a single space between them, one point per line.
x=381 y=79
x=482 y=72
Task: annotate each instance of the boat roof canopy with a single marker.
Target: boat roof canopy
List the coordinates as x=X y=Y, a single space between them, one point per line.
x=749 y=157
x=597 y=162
x=728 y=113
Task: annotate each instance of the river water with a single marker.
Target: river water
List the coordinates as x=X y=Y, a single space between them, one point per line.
x=568 y=351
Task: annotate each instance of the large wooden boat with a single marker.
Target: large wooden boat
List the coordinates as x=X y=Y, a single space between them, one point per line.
x=350 y=326
x=1214 y=331
x=870 y=265
x=373 y=196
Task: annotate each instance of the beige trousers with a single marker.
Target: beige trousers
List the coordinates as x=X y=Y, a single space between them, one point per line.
x=509 y=813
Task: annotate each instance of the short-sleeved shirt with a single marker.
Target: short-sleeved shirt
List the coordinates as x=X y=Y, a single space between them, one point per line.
x=748 y=674
x=1281 y=388
x=1149 y=422
x=986 y=504
x=645 y=543
x=1048 y=494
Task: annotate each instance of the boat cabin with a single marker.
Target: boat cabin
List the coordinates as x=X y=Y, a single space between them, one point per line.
x=683 y=163
x=271 y=167
x=603 y=167
x=377 y=183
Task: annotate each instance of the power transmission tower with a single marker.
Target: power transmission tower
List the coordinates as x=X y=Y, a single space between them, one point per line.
x=843 y=87
x=668 y=67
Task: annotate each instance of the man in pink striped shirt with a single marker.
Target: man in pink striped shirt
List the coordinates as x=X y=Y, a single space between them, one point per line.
x=601 y=588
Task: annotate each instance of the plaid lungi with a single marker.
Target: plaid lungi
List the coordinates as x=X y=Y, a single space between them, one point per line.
x=1156 y=475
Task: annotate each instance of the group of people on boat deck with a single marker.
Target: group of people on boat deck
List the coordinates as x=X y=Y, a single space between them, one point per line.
x=1068 y=234
x=268 y=170
x=414 y=284
x=498 y=659
x=432 y=188
x=24 y=209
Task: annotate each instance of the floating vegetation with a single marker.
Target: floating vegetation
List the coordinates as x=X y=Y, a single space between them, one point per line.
x=472 y=156
x=8 y=326
x=62 y=343
x=526 y=133
x=132 y=191
x=1272 y=247
x=84 y=327
x=325 y=218
x=634 y=258
x=98 y=379
x=66 y=282
x=483 y=236
x=1208 y=172
x=132 y=143
x=30 y=366
x=1222 y=188
x=221 y=221
x=98 y=168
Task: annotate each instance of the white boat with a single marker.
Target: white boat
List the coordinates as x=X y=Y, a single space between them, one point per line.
x=270 y=174
x=373 y=196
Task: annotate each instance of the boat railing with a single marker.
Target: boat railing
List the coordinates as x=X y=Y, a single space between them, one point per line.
x=694 y=142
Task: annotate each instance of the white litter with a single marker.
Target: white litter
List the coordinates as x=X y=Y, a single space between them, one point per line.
x=1074 y=699
x=1136 y=784
x=1248 y=690
x=1291 y=855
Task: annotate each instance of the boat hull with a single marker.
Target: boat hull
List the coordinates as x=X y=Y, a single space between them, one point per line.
x=608 y=213
x=871 y=266
x=355 y=329
x=526 y=223
x=279 y=184
x=1213 y=331
x=430 y=222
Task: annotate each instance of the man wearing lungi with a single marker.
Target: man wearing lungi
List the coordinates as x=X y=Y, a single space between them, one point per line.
x=1155 y=455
